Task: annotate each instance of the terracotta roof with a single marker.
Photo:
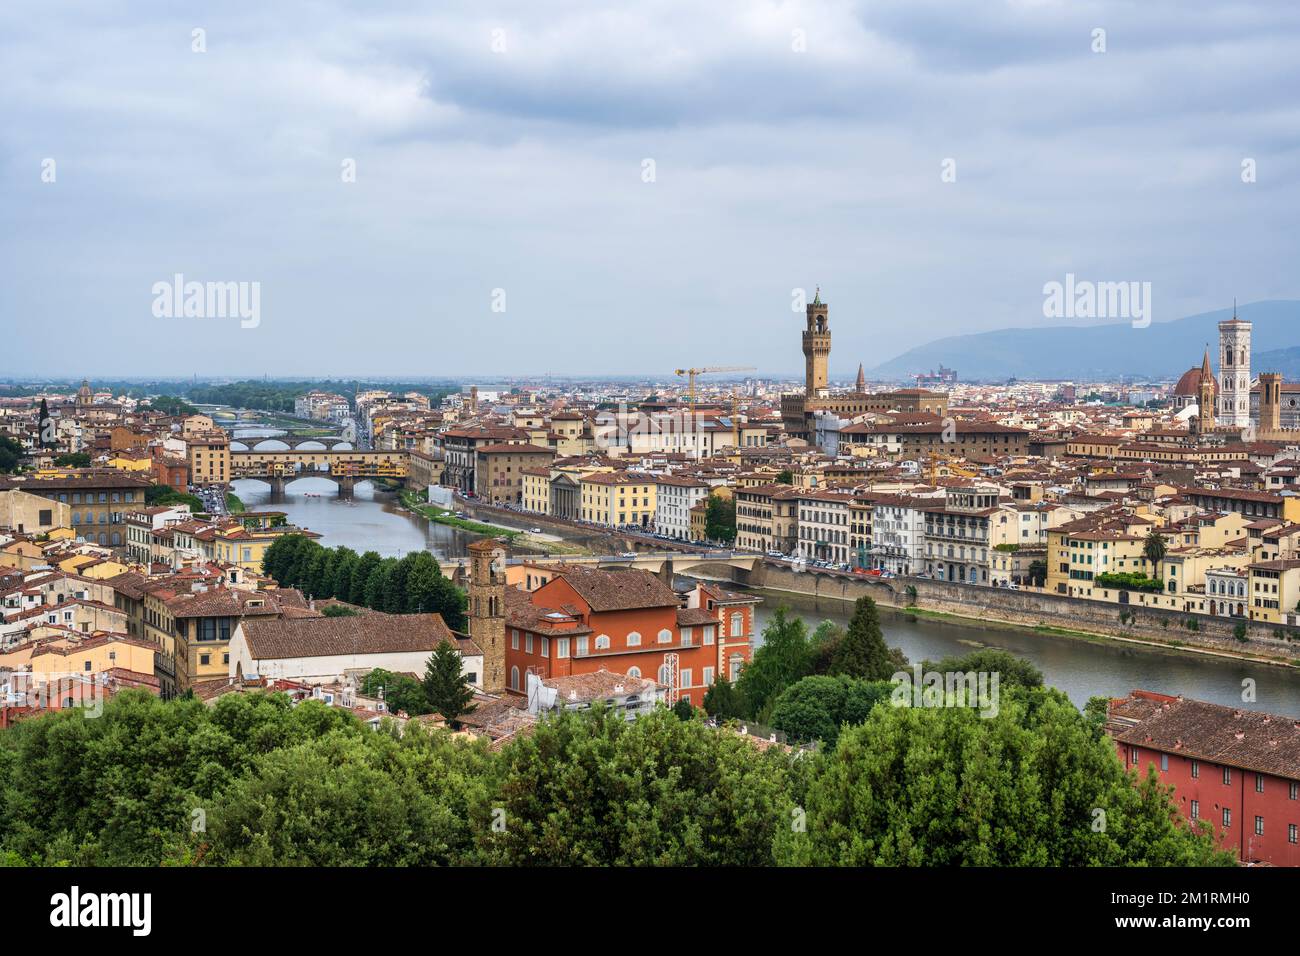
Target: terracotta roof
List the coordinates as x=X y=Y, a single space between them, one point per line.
x=1250 y=740
x=346 y=636
x=619 y=590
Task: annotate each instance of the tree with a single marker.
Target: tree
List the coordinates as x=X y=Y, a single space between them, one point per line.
x=446 y=687
x=725 y=701
x=784 y=658
x=786 y=477
x=593 y=789
x=720 y=519
x=815 y=707
x=366 y=564
x=683 y=709
x=73 y=460
x=400 y=691
x=862 y=651
x=946 y=786
x=1154 y=548
x=10 y=454
x=1012 y=671
x=377 y=584
x=824 y=641
x=339 y=584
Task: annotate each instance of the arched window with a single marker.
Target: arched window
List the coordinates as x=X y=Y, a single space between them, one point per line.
x=634 y=672
x=665 y=636
x=663 y=674
x=602 y=642
x=514 y=678
x=634 y=639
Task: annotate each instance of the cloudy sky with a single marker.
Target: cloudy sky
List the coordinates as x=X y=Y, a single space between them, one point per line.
x=565 y=187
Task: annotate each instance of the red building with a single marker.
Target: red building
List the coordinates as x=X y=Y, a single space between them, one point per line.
x=627 y=622
x=1238 y=770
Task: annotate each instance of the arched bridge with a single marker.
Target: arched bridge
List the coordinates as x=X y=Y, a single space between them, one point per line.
x=344 y=468
x=256 y=444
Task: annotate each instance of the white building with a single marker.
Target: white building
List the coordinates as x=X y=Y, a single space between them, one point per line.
x=321 y=650
x=629 y=696
x=674 y=499
x=898 y=534
x=823 y=526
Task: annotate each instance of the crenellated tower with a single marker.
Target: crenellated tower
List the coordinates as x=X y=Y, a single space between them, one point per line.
x=817 y=348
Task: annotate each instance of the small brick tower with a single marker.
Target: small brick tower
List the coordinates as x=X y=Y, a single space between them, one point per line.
x=487 y=610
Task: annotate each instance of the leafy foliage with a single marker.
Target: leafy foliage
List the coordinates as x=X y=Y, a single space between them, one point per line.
x=720 y=519
x=414 y=584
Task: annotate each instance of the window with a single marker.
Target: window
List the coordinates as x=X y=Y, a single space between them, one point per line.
x=1294 y=792
x=634 y=639
x=708 y=633
x=1196 y=769
x=205 y=659
x=737 y=624
x=514 y=678
x=634 y=672
x=87 y=667
x=1227 y=776
x=1196 y=809
x=1164 y=762
x=514 y=640
x=1259 y=826
x=1227 y=818
x=708 y=677
x=546 y=647
x=602 y=642
x=665 y=636
x=1291 y=833
x=1259 y=783
x=580 y=647
x=686 y=677
x=528 y=643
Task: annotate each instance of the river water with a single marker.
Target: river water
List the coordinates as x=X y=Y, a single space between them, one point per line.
x=1080 y=668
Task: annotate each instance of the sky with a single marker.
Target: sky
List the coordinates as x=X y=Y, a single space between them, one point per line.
x=530 y=187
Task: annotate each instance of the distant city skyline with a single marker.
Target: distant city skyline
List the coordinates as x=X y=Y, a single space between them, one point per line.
x=638 y=189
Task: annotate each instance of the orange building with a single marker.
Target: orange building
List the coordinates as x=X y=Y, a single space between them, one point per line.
x=626 y=622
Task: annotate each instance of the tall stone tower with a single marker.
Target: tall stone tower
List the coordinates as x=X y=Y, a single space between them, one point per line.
x=1205 y=398
x=1234 y=372
x=817 y=348
x=1270 y=402
x=487 y=610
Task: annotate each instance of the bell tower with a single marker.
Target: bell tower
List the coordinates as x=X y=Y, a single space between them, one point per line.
x=487 y=610
x=1205 y=398
x=1234 y=371
x=817 y=348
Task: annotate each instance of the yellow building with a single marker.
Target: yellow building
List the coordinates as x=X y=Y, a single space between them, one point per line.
x=209 y=457
x=536 y=490
x=617 y=498
x=1274 y=591
x=1079 y=551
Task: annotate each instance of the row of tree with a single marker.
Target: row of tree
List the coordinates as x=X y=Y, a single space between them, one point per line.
x=253 y=780
x=414 y=584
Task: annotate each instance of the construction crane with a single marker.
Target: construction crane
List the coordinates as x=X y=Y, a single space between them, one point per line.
x=692 y=372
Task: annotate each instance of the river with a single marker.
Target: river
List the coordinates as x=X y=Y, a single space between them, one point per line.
x=1080 y=668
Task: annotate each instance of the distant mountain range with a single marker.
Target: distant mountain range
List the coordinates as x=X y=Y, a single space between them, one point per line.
x=1162 y=350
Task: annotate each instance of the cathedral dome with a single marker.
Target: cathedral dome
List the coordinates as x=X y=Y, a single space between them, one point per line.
x=1189 y=386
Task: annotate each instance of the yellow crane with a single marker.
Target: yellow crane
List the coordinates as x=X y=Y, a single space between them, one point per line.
x=692 y=372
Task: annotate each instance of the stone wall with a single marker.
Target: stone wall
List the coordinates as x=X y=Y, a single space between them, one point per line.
x=1033 y=609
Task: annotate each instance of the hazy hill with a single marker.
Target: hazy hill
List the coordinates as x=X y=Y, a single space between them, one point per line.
x=1162 y=350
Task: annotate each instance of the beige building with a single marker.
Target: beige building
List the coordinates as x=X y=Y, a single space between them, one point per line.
x=32 y=514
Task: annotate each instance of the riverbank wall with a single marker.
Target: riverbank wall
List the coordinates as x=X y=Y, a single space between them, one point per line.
x=1038 y=610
